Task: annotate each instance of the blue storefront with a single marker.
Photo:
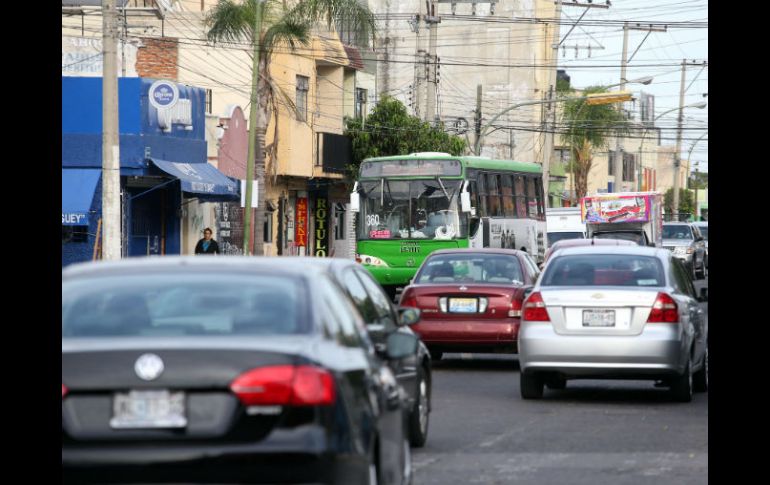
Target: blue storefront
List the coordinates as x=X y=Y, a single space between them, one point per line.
x=162 y=164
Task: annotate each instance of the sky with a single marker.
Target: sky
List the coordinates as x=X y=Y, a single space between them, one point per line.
x=660 y=56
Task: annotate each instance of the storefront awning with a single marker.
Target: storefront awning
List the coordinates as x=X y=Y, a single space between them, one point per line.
x=200 y=178
x=78 y=186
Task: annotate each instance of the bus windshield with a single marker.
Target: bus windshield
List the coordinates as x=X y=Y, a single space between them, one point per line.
x=411 y=209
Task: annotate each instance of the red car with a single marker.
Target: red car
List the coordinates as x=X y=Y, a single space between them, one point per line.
x=470 y=299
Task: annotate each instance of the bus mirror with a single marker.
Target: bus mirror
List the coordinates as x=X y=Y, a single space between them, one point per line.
x=465 y=201
x=354 y=202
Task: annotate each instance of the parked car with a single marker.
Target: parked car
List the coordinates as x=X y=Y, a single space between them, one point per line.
x=703 y=227
x=225 y=370
x=614 y=312
x=470 y=300
x=571 y=243
x=686 y=242
x=382 y=319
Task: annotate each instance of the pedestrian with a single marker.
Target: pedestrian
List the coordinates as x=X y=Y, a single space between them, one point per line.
x=207 y=245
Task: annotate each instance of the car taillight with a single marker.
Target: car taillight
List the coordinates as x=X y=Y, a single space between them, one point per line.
x=664 y=310
x=515 y=310
x=534 y=309
x=63 y=391
x=408 y=299
x=285 y=385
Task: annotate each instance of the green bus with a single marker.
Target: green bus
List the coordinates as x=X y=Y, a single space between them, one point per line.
x=411 y=205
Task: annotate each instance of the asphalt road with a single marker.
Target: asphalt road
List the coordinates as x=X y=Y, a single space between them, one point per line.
x=593 y=432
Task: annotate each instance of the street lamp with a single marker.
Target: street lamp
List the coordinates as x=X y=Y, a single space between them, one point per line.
x=699 y=105
x=598 y=98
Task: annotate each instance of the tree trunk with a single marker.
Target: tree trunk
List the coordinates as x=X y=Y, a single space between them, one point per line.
x=263 y=116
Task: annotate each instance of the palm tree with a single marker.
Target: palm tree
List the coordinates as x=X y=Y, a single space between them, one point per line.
x=267 y=25
x=587 y=130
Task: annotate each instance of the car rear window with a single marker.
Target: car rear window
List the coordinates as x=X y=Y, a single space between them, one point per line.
x=183 y=304
x=561 y=236
x=470 y=268
x=604 y=270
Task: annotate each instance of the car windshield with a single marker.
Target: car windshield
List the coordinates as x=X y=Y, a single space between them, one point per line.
x=705 y=231
x=470 y=268
x=676 y=232
x=635 y=237
x=151 y=305
x=411 y=209
x=604 y=270
x=560 y=236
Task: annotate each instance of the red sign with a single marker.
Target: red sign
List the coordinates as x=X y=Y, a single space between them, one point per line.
x=385 y=234
x=300 y=228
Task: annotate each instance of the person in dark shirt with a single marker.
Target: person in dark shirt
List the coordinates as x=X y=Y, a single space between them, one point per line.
x=207 y=245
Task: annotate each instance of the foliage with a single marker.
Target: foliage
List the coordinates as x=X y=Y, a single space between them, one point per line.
x=686 y=201
x=390 y=130
x=587 y=129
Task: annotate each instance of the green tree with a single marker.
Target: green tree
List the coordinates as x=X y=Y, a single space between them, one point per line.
x=390 y=130
x=686 y=201
x=268 y=25
x=587 y=129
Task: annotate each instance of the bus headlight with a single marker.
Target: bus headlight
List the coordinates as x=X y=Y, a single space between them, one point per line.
x=372 y=261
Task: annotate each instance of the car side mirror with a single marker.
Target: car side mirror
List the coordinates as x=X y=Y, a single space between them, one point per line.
x=704 y=294
x=400 y=345
x=408 y=315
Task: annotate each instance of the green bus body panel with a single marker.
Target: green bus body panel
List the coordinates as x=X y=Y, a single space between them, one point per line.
x=397 y=254
x=469 y=162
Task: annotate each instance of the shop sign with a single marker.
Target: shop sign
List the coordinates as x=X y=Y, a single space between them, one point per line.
x=164 y=97
x=321 y=228
x=300 y=228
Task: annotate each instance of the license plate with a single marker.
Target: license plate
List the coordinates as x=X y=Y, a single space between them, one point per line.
x=463 y=305
x=598 y=318
x=149 y=409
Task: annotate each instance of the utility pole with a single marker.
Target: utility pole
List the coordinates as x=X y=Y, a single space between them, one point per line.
x=623 y=64
x=111 y=224
x=550 y=135
x=477 y=119
x=420 y=66
x=431 y=81
x=677 y=158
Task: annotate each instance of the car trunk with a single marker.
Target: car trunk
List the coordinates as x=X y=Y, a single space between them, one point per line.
x=104 y=392
x=599 y=310
x=463 y=301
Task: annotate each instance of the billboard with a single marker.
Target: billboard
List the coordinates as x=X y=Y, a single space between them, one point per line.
x=621 y=208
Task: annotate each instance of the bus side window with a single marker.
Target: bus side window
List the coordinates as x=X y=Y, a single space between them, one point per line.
x=507 y=191
x=531 y=199
x=521 y=197
x=483 y=210
x=494 y=195
x=541 y=198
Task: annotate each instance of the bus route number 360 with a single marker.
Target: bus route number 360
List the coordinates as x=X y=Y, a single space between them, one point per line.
x=373 y=220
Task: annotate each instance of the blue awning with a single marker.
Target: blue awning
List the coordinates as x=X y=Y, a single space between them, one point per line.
x=78 y=186
x=199 y=178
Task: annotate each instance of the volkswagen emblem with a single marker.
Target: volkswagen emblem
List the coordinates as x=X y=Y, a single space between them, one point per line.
x=148 y=367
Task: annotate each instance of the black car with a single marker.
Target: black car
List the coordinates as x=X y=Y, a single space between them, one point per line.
x=382 y=320
x=225 y=370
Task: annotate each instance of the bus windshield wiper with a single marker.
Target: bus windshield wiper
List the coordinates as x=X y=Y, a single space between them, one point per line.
x=443 y=188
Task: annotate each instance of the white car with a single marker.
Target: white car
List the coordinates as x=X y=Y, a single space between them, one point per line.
x=625 y=312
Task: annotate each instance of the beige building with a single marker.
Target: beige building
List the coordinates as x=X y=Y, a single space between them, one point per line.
x=501 y=56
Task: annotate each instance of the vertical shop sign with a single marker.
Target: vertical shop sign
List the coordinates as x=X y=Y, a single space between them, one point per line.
x=321 y=228
x=300 y=228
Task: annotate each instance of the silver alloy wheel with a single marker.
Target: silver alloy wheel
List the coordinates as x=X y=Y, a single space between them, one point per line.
x=422 y=406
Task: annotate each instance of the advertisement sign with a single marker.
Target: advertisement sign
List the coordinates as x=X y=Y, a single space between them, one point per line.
x=622 y=208
x=300 y=228
x=321 y=215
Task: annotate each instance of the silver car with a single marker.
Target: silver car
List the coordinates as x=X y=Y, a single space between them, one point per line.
x=614 y=312
x=687 y=243
x=703 y=227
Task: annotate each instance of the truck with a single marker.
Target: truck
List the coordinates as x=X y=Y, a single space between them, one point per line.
x=634 y=216
x=564 y=223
